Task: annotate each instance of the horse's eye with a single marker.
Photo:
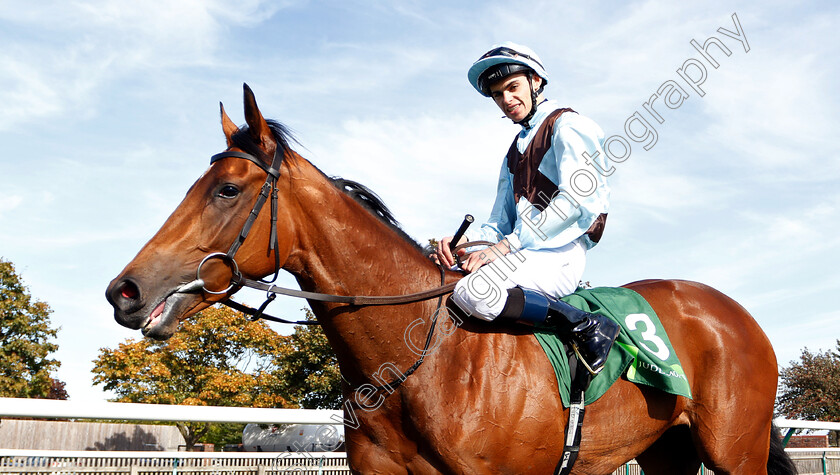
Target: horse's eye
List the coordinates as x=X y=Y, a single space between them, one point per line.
x=229 y=191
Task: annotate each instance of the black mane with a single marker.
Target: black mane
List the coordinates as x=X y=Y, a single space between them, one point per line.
x=360 y=193
x=373 y=203
x=282 y=135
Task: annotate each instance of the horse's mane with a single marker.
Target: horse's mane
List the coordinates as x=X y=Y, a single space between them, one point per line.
x=375 y=206
x=360 y=193
x=243 y=140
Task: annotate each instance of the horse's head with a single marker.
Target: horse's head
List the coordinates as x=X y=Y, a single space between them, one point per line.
x=160 y=286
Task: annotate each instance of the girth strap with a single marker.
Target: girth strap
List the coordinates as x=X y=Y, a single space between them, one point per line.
x=574 y=428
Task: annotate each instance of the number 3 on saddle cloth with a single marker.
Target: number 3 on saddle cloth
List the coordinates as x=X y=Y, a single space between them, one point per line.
x=642 y=348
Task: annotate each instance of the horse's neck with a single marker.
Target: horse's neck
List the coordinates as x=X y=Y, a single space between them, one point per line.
x=343 y=249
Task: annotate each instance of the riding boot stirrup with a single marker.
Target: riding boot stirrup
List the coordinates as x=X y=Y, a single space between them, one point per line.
x=590 y=335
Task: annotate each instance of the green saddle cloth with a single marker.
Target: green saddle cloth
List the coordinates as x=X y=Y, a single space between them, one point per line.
x=642 y=348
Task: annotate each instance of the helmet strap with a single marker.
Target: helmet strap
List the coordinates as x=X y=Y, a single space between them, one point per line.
x=525 y=121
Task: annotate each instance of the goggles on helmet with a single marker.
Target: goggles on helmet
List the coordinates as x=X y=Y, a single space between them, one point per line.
x=510 y=53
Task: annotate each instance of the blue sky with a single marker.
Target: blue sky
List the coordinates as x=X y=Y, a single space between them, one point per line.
x=110 y=112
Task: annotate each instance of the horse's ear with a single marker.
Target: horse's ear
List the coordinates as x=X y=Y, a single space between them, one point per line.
x=257 y=126
x=228 y=126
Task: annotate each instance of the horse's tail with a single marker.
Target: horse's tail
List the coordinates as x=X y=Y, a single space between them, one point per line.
x=779 y=463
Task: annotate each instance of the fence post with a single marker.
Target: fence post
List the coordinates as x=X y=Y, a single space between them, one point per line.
x=260 y=469
x=133 y=469
x=789 y=434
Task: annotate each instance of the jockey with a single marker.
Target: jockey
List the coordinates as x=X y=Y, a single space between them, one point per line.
x=551 y=207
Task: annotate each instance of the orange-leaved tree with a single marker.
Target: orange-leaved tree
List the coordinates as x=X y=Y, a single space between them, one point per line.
x=217 y=358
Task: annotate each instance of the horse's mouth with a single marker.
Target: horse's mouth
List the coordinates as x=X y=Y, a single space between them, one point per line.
x=162 y=322
x=155 y=317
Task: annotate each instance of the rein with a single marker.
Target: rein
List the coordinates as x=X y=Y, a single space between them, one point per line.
x=238 y=280
x=358 y=300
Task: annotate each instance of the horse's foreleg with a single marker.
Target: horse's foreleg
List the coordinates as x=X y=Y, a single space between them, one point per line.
x=366 y=457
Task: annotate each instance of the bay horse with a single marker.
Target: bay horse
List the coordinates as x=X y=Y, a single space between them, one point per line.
x=485 y=401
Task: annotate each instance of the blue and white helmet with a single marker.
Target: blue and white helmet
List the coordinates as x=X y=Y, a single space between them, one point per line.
x=501 y=61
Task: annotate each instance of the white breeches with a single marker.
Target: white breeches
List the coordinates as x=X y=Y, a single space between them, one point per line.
x=554 y=272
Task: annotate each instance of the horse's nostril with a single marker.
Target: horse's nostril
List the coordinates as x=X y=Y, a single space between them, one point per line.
x=129 y=290
x=125 y=295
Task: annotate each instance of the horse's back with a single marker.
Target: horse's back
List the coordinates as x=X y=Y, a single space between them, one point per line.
x=706 y=325
x=730 y=366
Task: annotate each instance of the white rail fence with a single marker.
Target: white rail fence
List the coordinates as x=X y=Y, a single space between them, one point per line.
x=54 y=409
x=52 y=462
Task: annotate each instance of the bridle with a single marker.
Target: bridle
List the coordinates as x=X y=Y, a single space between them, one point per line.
x=270 y=186
x=238 y=281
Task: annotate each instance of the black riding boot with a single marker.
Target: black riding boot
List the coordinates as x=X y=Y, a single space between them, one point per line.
x=591 y=335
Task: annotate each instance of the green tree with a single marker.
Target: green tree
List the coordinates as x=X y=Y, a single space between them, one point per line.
x=26 y=341
x=308 y=368
x=217 y=358
x=224 y=434
x=810 y=388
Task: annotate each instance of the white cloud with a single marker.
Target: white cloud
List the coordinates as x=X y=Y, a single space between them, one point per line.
x=772 y=112
x=77 y=47
x=8 y=203
x=817 y=332
x=768 y=248
x=665 y=188
x=430 y=170
x=765 y=300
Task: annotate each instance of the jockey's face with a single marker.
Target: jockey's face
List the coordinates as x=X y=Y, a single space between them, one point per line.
x=513 y=96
